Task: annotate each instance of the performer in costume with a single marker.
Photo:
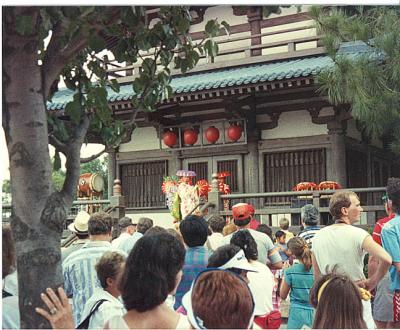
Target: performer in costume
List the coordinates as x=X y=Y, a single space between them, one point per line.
x=188 y=194
x=181 y=196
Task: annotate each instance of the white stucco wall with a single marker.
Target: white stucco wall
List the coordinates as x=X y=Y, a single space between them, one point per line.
x=222 y=13
x=143 y=138
x=294 y=124
x=289 y=36
x=164 y=220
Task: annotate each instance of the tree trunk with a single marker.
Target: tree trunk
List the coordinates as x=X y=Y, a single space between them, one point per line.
x=38 y=213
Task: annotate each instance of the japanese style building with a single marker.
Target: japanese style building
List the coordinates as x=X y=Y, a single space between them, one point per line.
x=264 y=80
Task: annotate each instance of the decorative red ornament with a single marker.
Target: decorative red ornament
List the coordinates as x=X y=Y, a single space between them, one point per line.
x=190 y=136
x=234 y=132
x=305 y=186
x=212 y=134
x=170 y=138
x=329 y=185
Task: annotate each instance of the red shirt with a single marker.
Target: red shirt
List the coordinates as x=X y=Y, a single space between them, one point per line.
x=376 y=234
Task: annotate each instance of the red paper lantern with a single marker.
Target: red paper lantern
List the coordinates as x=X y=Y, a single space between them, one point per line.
x=234 y=132
x=212 y=134
x=190 y=136
x=170 y=138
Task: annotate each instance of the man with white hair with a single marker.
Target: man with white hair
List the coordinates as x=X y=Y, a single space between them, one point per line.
x=310 y=220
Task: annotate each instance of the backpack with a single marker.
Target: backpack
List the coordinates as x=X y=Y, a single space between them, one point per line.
x=85 y=323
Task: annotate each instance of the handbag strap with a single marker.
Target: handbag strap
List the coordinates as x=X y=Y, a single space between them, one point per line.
x=85 y=323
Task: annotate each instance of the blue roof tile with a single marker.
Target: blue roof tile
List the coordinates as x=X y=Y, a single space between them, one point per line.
x=233 y=76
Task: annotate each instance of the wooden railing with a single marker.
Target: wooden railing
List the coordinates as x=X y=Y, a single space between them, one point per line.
x=245 y=52
x=270 y=213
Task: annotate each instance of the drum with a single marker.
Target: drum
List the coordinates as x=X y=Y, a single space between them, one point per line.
x=90 y=185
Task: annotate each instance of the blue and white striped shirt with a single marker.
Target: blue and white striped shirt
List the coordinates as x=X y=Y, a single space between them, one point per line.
x=80 y=277
x=308 y=234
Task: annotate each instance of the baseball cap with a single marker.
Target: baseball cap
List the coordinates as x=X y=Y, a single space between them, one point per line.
x=80 y=224
x=242 y=211
x=125 y=222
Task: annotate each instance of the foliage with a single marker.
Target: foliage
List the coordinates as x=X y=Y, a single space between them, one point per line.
x=6 y=191
x=370 y=82
x=58 y=178
x=137 y=40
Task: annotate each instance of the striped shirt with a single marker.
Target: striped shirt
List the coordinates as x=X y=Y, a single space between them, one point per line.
x=308 y=234
x=376 y=234
x=80 y=277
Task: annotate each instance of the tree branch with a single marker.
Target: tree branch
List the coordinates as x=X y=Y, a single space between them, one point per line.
x=57 y=144
x=93 y=157
x=73 y=160
x=57 y=57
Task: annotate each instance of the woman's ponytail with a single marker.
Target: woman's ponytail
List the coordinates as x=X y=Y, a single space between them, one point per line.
x=301 y=251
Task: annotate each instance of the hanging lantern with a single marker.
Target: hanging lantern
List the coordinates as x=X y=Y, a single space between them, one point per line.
x=212 y=134
x=190 y=136
x=234 y=132
x=169 y=138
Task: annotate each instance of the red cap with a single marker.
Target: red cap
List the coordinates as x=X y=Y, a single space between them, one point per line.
x=251 y=209
x=241 y=211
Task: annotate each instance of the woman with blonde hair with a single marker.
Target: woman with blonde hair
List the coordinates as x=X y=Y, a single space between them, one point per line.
x=298 y=280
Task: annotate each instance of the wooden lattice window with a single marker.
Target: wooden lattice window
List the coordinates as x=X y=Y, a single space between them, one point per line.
x=230 y=166
x=141 y=184
x=283 y=170
x=201 y=169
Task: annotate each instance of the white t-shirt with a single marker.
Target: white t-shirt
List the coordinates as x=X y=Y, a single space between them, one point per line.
x=118 y=322
x=261 y=285
x=111 y=307
x=10 y=314
x=264 y=244
x=116 y=243
x=216 y=240
x=340 y=245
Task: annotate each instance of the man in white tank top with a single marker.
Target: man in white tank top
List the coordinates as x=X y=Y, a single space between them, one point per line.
x=344 y=246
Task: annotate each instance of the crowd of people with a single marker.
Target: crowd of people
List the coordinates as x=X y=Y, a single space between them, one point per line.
x=212 y=274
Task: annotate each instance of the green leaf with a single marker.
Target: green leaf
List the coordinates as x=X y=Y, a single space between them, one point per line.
x=74 y=110
x=183 y=25
x=96 y=43
x=57 y=161
x=226 y=27
x=212 y=28
x=24 y=25
x=114 y=85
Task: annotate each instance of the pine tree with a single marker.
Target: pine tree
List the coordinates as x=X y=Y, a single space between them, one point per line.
x=369 y=82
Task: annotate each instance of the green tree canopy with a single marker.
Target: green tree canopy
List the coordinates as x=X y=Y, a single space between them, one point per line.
x=370 y=83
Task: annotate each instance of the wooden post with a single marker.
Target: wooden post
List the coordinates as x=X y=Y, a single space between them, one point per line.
x=117 y=201
x=337 y=168
x=214 y=196
x=254 y=16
